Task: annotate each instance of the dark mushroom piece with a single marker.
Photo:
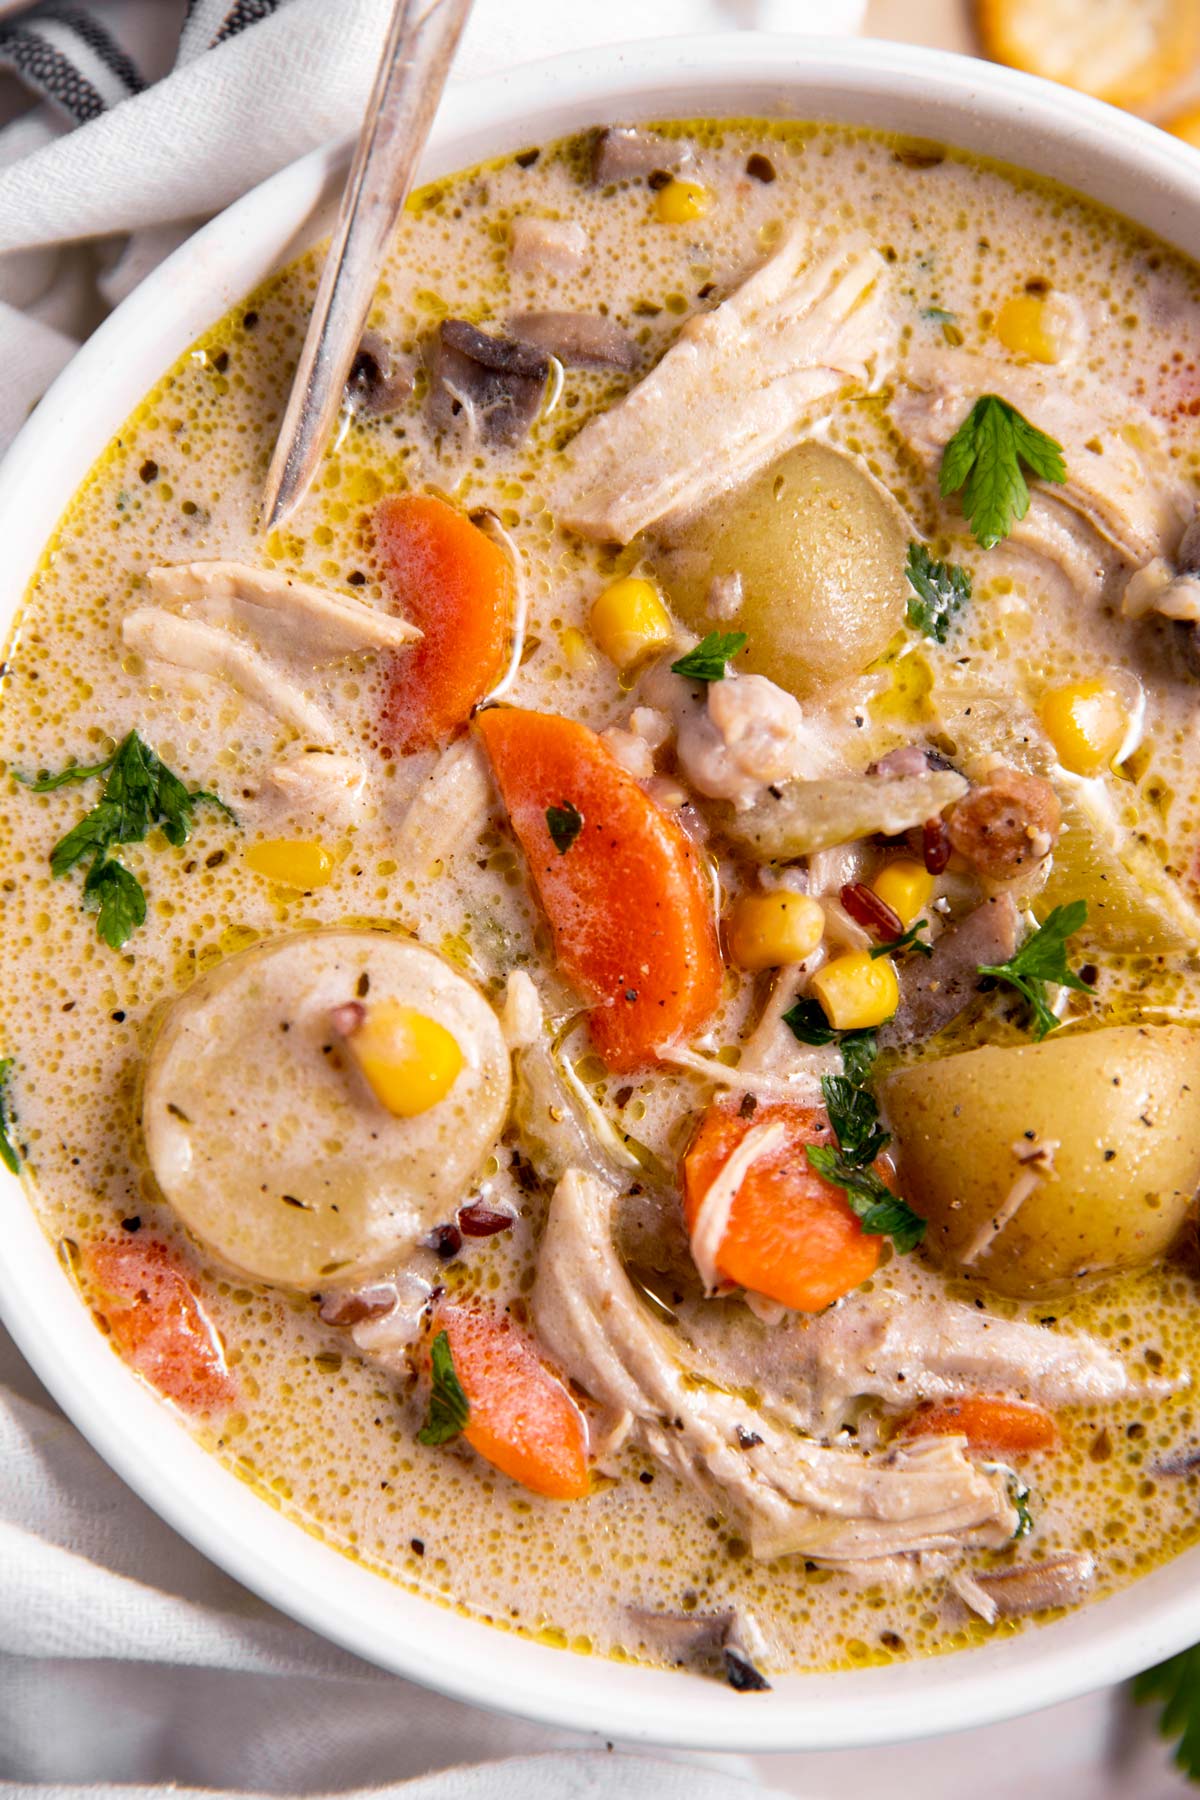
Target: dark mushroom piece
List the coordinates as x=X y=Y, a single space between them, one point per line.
x=494 y=385
x=706 y=1643
x=354 y=1306
x=935 y=989
x=376 y=384
x=1034 y=1587
x=623 y=153
x=579 y=340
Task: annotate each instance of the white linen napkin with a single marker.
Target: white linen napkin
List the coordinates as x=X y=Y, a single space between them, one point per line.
x=125 y=1657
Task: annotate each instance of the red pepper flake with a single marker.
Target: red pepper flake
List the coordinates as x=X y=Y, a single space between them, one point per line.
x=868 y=910
x=935 y=843
x=480 y=1220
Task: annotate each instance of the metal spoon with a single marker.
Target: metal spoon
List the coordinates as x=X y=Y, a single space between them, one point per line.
x=417 y=54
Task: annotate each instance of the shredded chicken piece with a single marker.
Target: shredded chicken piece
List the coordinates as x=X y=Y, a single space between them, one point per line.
x=1036 y=1162
x=738 y=736
x=205 y=649
x=521 y=1017
x=631 y=751
x=792 y=1495
x=546 y=246
x=281 y=616
x=1118 y=480
x=313 y=787
x=729 y=392
x=449 y=810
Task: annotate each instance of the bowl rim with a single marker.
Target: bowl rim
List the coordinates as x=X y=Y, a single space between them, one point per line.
x=1126 y=164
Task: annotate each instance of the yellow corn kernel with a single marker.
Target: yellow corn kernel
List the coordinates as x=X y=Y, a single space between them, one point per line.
x=857 y=991
x=629 y=621
x=766 y=931
x=291 y=862
x=1024 y=327
x=1086 y=721
x=679 y=202
x=577 y=652
x=907 y=887
x=408 y=1060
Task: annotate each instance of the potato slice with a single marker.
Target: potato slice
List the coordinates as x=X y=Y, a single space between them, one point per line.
x=1134 y=907
x=1126 y=51
x=263 y=1134
x=819 y=551
x=1039 y=1164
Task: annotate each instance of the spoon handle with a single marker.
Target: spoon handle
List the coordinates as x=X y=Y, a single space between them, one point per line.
x=417 y=53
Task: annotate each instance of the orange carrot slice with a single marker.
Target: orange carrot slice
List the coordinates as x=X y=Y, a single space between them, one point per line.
x=622 y=885
x=790 y=1235
x=987 y=1422
x=157 y=1323
x=455 y=583
x=522 y=1419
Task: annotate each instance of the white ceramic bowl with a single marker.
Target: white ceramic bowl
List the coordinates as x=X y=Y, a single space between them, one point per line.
x=1114 y=158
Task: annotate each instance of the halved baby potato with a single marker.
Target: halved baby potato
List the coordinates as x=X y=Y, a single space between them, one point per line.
x=1126 y=51
x=272 y=1141
x=1039 y=1164
x=819 y=552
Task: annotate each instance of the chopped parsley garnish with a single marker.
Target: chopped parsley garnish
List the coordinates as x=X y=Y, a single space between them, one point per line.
x=940 y=591
x=1042 y=960
x=1177 y=1684
x=8 y=1150
x=564 y=823
x=939 y=315
x=987 y=458
x=140 y=792
x=448 y=1406
x=807 y=1023
x=854 y=1118
x=706 y=662
x=908 y=940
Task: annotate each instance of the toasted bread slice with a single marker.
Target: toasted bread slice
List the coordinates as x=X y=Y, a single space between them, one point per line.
x=1126 y=51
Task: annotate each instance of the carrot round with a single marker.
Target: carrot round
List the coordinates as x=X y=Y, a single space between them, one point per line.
x=522 y=1419
x=987 y=1422
x=628 y=902
x=454 y=582
x=791 y=1235
x=157 y=1323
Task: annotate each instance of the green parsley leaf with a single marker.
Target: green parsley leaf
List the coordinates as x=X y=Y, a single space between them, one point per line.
x=940 y=591
x=987 y=457
x=938 y=314
x=449 y=1409
x=706 y=662
x=854 y=1117
x=45 y=783
x=117 y=898
x=140 y=792
x=908 y=940
x=1042 y=958
x=8 y=1150
x=564 y=823
x=880 y=1212
x=808 y=1025
x=1177 y=1684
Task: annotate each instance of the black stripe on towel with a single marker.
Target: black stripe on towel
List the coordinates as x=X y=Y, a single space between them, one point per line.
x=41 y=67
x=242 y=14
x=97 y=40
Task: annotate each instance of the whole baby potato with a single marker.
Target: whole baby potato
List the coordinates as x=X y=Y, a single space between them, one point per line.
x=819 y=551
x=1116 y=1116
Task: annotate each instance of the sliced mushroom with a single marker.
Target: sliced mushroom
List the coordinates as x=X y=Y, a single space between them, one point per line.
x=1034 y=1587
x=266 y=1140
x=579 y=340
x=935 y=990
x=493 y=385
x=377 y=384
x=723 y=1644
x=624 y=153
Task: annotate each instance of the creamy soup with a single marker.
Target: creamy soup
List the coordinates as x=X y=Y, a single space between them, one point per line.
x=610 y=1015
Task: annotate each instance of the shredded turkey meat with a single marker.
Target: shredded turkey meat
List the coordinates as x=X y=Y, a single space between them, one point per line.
x=282 y=617
x=792 y=1495
x=730 y=391
x=204 y=649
